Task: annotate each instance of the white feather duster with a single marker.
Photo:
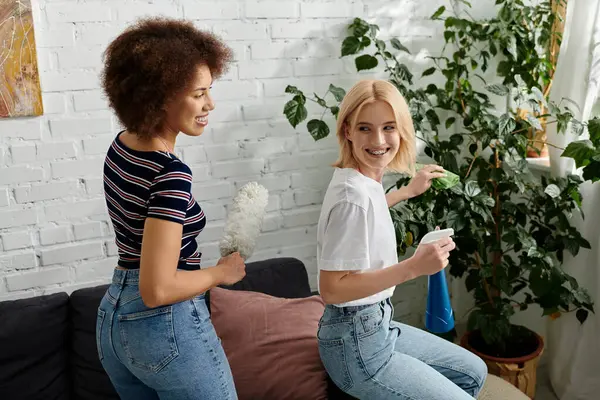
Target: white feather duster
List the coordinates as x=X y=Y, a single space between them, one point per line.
x=244 y=220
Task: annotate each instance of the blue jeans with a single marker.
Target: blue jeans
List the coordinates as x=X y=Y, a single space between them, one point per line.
x=370 y=356
x=169 y=352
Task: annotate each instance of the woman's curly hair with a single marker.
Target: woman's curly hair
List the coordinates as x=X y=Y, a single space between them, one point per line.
x=153 y=61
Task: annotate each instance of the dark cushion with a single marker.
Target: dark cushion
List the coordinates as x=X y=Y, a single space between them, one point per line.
x=33 y=348
x=89 y=381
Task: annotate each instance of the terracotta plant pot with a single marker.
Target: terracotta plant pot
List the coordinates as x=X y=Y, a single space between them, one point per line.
x=519 y=371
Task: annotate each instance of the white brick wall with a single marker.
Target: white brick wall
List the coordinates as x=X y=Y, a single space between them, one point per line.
x=53 y=229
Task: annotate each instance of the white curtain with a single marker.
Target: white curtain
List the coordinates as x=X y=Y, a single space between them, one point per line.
x=573 y=349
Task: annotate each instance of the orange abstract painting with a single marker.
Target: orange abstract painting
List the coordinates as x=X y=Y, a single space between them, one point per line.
x=20 y=93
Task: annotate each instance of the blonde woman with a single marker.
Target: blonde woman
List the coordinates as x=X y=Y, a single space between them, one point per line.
x=365 y=352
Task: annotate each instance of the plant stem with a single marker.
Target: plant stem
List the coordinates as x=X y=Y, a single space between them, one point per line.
x=485 y=283
x=546 y=143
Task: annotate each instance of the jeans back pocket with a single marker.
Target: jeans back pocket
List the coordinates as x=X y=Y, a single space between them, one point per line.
x=333 y=357
x=148 y=338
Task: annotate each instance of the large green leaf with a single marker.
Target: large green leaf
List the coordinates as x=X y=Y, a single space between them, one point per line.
x=472 y=189
x=317 y=129
x=398 y=45
x=552 y=191
x=350 y=45
x=295 y=112
x=594 y=131
x=438 y=12
x=456 y=220
x=337 y=92
x=581 y=151
x=365 y=62
x=500 y=90
x=506 y=124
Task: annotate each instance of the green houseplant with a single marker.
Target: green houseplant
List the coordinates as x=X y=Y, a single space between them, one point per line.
x=512 y=228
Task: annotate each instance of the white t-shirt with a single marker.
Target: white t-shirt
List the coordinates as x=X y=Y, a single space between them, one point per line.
x=355 y=231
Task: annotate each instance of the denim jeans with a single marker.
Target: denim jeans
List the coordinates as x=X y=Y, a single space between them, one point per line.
x=170 y=352
x=370 y=356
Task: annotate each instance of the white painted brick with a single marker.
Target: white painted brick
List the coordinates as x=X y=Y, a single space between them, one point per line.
x=63 y=37
x=264 y=69
x=88 y=271
x=94 y=186
x=283 y=237
x=272 y=183
x=331 y=9
x=231 y=74
x=77 y=12
x=210 y=10
x=43 y=277
x=271 y=9
x=200 y=173
x=213 y=211
x=88 y=230
x=240 y=50
x=55 y=151
x=4 y=197
x=262 y=112
x=308 y=143
x=288 y=163
x=194 y=154
x=12 y=175
x=261 y=51
x=212 y=191
x=239 y=90
x=17 y=217
x=308 y=197
x=272 y=223
x=23 y=153
x=79 y=209
x=229 y=133
x=313 y=67
x=222 y=152
x=45 y=191
x=17 y=240
x=89 y=101
x=112 y=249
x=237 y=168
x=314 y=179
x=295 y=30
x=95 y=34
x=241 y=30
x=54 y=103
x=75 y=58
x=274 y=204
x=71 y=80
x=77 y=127
x=266 y=148
x=68 y=288
x=3 y=158
x=18 y=295
x=55 y=235
x=22 y=128
x=97 y=145
x=212 y=232
x=78 y=168
x=70 y=253
x=225 y=112
x=301 y=217
x=303 y=251
x=130 y=12
x=17 y=260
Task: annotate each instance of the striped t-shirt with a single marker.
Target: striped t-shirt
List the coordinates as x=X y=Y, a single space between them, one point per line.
x=156 y=184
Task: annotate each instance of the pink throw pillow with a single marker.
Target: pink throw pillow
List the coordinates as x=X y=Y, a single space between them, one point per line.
x=271 y=344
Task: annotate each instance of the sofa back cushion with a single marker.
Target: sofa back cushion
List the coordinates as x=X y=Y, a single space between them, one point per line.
x=271 y=344
x=34 y=348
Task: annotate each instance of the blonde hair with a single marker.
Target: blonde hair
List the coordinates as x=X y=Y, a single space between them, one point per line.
x=365 y=92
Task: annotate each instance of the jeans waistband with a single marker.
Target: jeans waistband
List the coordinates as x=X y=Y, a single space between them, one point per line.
x=350 y=310
x=123 y=276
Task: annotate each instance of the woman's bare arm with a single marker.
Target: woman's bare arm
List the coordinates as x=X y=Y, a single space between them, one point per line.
x=160 y=281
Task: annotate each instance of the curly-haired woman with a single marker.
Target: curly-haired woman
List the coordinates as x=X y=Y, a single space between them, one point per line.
x=154 y=334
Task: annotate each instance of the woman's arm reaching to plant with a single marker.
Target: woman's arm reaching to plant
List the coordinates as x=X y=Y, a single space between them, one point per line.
x=418 y=185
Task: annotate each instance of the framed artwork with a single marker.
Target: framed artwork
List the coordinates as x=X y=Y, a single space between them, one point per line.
x=20 y=92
